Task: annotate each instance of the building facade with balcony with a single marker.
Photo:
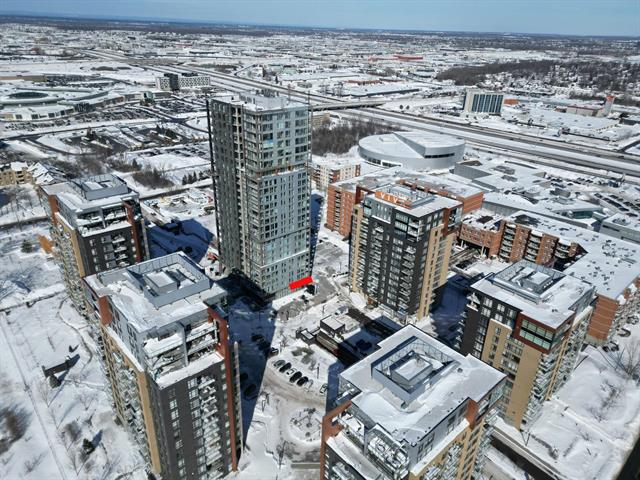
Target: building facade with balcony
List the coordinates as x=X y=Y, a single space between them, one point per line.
x=609 y=264
x=262 y=187
x=96 y=225
x=401 y=242
x=529 y=322
x=172 y=368
x=414 y=409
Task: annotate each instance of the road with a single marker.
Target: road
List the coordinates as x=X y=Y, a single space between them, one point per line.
x=590 y=157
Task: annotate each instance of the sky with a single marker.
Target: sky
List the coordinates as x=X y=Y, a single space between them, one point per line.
x=572 y=17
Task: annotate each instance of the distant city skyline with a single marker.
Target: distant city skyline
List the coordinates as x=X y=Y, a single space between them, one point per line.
x=568 y=17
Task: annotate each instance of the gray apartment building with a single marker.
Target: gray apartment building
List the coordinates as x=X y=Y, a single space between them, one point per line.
x=171 y=365
x=401 y=241
x=414 y=409
x=262 y=186
x=96 y=225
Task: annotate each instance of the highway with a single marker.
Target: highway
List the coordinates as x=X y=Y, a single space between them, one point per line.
x=594 y=160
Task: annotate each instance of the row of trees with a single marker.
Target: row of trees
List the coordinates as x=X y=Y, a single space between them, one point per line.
x=340 y=138
x=604 y=76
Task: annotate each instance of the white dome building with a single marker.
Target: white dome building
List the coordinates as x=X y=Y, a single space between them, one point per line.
x=416 y=150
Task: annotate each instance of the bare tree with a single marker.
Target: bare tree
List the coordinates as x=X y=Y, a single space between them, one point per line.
x=627 y=360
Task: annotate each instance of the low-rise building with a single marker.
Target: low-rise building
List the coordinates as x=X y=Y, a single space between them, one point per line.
x=482 y=229
x=172 y=368
x=416 y=150
x=480 y=101
x=14 y=173
x=341 y=196
x=530 y=322
x=175 y=81
x=414 y=409
x=334 y=169
x=622 y=226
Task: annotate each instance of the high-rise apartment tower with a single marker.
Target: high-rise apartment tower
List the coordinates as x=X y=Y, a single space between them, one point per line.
x=530 y=322
x=171 y=365
x=401 y=240
x=96 y=225
x=262 y=184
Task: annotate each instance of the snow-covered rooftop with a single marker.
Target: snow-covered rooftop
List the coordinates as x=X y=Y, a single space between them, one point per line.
x=609 y=264
x=543 y=294
x=258 y=103
x=413 y=382
x=157 y=292
x=91 y=192
x=413 y=202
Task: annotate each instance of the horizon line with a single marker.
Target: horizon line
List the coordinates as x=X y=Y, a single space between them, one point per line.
x=152 y=20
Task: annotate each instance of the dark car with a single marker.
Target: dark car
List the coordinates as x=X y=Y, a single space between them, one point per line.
x=302 y=381
x=273 y=351
x=256 y=337
x=251 y=391
x=243 y=376
x=285 y=367
x=295 y=377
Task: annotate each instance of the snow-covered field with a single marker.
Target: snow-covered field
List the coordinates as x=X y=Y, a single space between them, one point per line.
x=38 y=327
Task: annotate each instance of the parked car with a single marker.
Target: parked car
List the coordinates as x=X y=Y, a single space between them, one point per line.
x=323 y=388
x=295 y=377
x=273 y=351
x=290 y=372
x=251 y=391
x=302 y=381
x=285 y=367
x=278 y=363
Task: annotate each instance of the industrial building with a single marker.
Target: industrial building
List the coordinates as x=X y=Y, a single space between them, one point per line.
x=416 y=150
x=172 y=368
x=414 y=409
x=401 y=241
x=96 y=225
x=530 y=322
x=262 y=187
x=479 y=101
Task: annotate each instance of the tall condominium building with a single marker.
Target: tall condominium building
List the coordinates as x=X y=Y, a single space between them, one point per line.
x=401 y=241
x=478 y=101
x=530 y=322
x=262 y=164
x=172 y=368
x=96 y=225
x=414 y=409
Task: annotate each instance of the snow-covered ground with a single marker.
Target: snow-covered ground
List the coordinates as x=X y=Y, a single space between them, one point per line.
x=38 y=327
x=587 y=430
